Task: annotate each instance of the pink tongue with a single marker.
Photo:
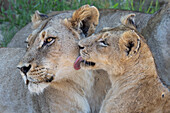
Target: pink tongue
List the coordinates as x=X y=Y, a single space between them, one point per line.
x=77 y=63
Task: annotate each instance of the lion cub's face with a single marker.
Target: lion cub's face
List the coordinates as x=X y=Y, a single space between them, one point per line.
x=52 y=46
x=100 y=50
x=111 y=48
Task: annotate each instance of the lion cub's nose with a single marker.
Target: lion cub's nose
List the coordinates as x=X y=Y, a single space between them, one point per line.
x=81 y=47
x=24 y=68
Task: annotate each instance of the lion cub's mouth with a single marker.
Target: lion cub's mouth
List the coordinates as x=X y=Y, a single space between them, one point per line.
x=80 y=60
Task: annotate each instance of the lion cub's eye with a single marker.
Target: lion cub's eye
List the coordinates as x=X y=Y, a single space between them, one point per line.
x=103 y=43
x=49 y=41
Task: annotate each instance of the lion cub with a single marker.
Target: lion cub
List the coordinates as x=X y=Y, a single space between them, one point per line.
x=124 y=54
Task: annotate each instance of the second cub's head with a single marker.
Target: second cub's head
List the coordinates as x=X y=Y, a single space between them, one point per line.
x=110 y=47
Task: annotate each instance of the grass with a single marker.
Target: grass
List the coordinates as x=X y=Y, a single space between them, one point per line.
x=19 y=11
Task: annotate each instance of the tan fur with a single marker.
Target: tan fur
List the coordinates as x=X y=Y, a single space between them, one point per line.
x=124 y=54
x=128 y=19
x=85 y=15
x=74 y=91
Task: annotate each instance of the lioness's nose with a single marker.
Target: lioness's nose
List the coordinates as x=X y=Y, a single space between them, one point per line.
x=24 y=68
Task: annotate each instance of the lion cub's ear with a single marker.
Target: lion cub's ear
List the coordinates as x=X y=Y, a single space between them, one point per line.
x=37 y=19
x=85 y=20
x=129 y=20
x=104 y=36
x=129 y=43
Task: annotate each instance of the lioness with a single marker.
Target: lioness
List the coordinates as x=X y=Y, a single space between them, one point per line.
x=124 y=54
x=52 y=48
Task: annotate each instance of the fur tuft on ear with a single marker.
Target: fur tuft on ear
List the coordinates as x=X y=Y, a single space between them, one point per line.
x=129 y=20
x=84 y=20
x=37 y=19
x=129 y=43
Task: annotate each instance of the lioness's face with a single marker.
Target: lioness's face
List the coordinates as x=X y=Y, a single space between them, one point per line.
x=51 y=51
x=52 y=47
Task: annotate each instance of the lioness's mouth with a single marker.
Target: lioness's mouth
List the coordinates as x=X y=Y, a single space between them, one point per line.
x=27 y=81
x=80 y=60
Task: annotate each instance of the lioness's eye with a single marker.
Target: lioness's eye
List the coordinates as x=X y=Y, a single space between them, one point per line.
x=49 y=41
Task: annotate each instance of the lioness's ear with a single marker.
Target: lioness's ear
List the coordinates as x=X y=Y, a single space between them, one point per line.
x=129 y=43
x=129 y=20
x=37 y=19
x=85 y=20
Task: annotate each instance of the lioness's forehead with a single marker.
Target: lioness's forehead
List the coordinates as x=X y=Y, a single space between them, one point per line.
x=54 y=22
x=49 y=32
x=51 y=26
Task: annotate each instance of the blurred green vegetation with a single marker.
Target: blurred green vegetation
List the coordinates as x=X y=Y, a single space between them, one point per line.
x=18 y=13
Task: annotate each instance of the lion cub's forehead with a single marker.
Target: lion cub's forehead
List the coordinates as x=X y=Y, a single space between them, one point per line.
x=114 y=32
x=109 y=34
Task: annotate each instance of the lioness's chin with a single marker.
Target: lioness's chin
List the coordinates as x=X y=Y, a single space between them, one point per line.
x=37 y=88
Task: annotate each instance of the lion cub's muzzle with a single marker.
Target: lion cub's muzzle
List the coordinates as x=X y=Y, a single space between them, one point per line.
x=81 y=61
x=83 y=52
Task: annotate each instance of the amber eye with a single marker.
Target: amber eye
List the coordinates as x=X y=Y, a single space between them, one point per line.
x=49 y=41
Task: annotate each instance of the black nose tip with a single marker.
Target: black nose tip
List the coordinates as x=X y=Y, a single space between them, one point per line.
x=81 y=47
x=25 y=69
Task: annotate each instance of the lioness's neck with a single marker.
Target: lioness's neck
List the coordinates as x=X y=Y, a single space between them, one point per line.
x=83 y=78
x=80 y=77
x=77 y=84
